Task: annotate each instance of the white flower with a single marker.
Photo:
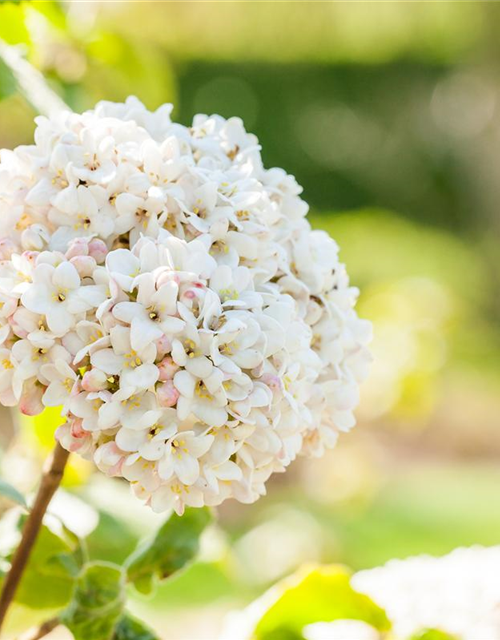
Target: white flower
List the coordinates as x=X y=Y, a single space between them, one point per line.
x=56 y=293
x=140 y=411
x=166 y=289
x=203 y=398
x=154 y=313
x=136 y=369
x=77 y=208
x=181 y=455
x=62 y=382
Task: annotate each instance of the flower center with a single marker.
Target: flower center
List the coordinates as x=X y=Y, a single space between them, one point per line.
x=190 y=348
x=60 y=295
x=228 y=294
x=143 y=215
x=84 y=221
x=153 y=314
x=201 y=391
x=39 y=353
x=219 y=247
x=132 y=360
x=229 y=349
x=131 y=403
x=154 y=431
x=179 y=447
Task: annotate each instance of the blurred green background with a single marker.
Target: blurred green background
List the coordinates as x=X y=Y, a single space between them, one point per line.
x=389 y=115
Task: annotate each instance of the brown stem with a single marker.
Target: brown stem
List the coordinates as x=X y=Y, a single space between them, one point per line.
x=51 y=479
x=42 y=631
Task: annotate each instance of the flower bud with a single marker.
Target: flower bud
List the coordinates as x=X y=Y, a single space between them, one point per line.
x=30 y=403
x=7 y=248
x=167 y=368
x=163 y=346
x=94 y=380
x=77 y=247
x=98 y=250
x=85 y=265
x=167 y=394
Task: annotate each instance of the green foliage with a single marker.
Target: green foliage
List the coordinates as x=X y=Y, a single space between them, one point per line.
x=13 y=27
x=7 y=82
x=93 y=594
x=320 y=594
x=129 y=628
x=51 y=572
x=12 y=494
x=433 y=634
x=98 y=602
x=174 y=545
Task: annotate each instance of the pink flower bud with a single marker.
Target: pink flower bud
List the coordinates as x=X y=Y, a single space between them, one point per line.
x=109 y=459
x=77 y=247
x=85 y=265
x=76 y=429
x=30 y=256
x=73 y=438
x=163 y=346
x=98 y=250
x=273 y=382
x=7 y=248
x=30 y=403
x=94 y=380
x=167 y=368
x=167 y=394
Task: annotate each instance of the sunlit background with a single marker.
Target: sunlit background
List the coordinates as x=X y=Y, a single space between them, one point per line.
x=389 y=115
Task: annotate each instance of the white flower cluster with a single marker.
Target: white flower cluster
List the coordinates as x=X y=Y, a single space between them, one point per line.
x=166 y=290
x=457 y=594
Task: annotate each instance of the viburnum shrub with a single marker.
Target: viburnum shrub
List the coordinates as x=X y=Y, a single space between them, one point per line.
x=166 y=290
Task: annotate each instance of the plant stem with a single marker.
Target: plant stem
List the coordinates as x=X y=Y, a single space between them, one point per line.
x=41 y=631
x=51 y=479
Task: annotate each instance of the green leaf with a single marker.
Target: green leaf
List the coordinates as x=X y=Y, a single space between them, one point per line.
x=129 y=628
x=12 y=494
x=12 y=25
x=51 y=572
x=319 y=594
x=433 y=634
x=173 y=546
x=98 y=602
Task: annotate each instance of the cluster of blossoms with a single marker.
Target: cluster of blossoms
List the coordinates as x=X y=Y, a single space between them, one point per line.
x=457 y=594
x=166 y=290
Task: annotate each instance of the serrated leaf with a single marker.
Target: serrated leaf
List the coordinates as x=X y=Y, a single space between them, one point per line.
x=97 y=603
x=12 y=494
x=175 y=544
x=129 y=628
x=319 y=594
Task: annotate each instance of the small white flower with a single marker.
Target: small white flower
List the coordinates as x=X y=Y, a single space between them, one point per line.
x=182 y=452
x=62 y=382
x=136 y=369
x=56 y=293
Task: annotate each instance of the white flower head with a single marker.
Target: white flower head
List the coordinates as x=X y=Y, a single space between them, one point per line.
x=167 y=290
